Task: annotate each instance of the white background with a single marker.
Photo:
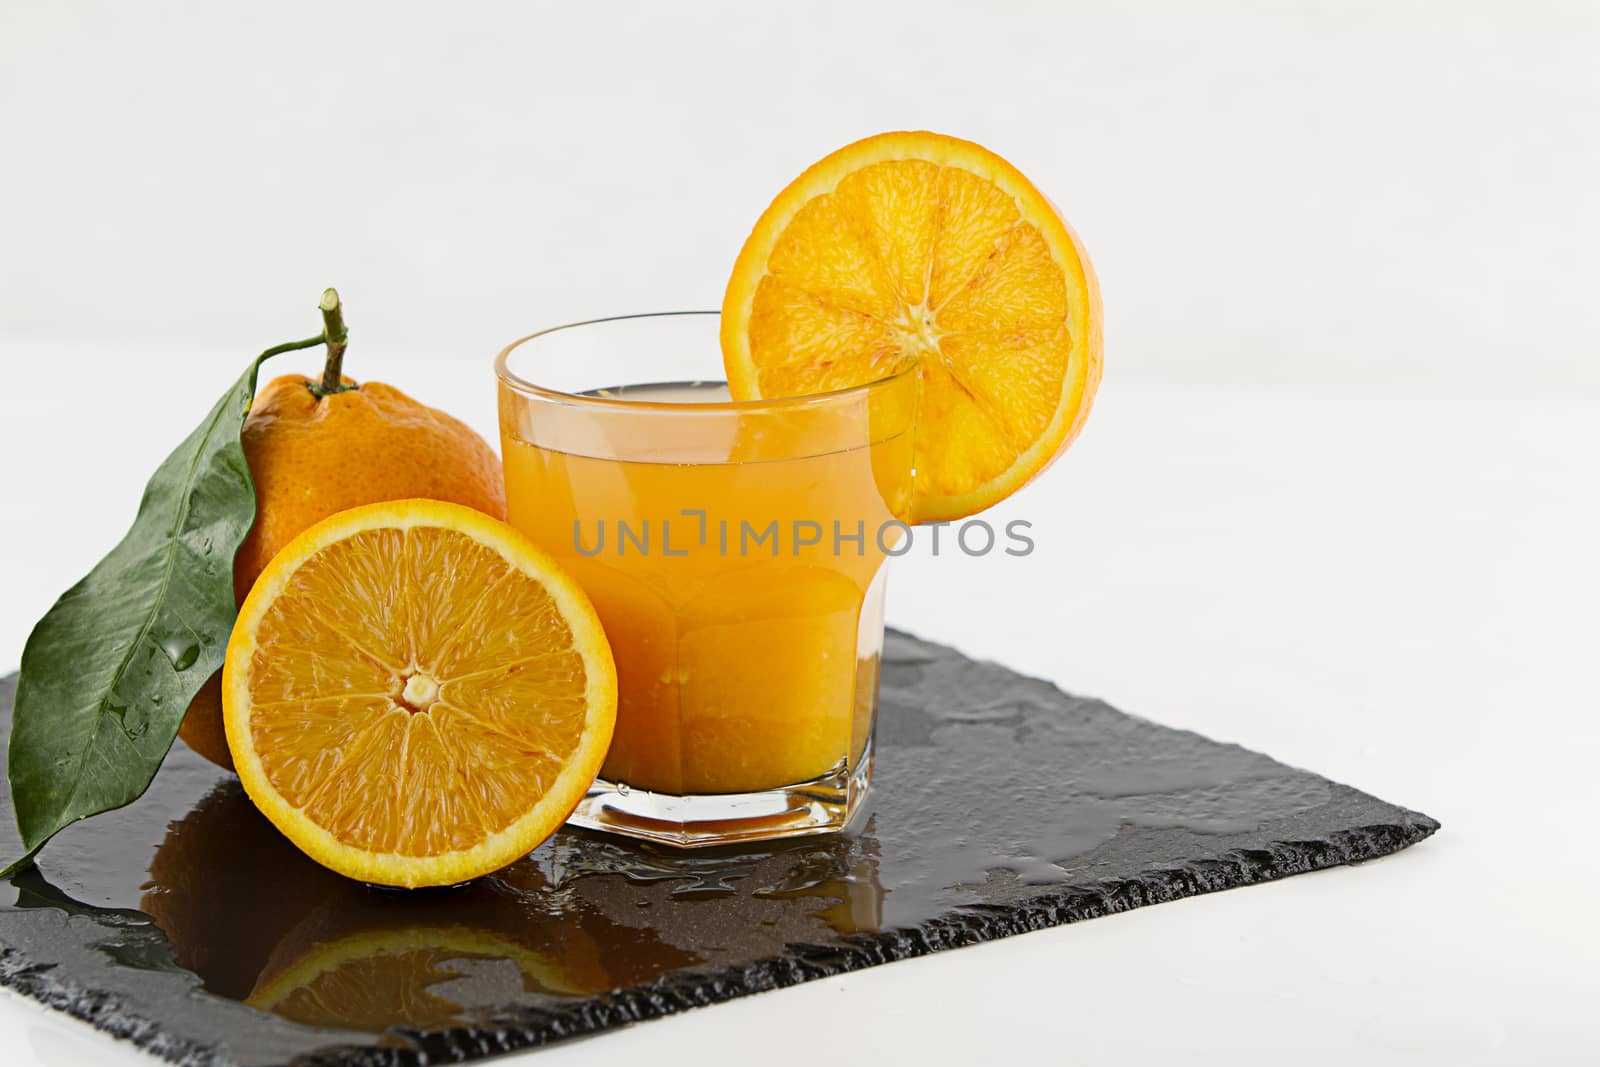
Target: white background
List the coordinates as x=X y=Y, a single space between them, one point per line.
x=1337 y=502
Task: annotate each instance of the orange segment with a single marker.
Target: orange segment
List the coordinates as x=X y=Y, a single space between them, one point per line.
x=916 y=247
x=416 y=695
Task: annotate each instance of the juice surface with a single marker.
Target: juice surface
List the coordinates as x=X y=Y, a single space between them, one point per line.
x=729 y=558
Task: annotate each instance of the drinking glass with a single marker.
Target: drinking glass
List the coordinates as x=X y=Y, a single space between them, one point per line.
x=734 y=551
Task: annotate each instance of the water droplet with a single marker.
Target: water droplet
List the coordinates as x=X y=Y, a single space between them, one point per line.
x=181 y=650
x=119 y=711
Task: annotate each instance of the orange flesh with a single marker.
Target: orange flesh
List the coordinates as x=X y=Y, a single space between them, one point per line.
x=412 y=693
x=906 y=258
x=877 y=258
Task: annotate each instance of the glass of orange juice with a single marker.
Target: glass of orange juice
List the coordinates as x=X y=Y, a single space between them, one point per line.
x=735 y=554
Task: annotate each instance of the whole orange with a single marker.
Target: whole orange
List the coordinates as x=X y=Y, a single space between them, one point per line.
x=312 y=455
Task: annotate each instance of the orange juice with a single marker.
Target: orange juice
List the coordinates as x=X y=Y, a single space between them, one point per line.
x=734 y=555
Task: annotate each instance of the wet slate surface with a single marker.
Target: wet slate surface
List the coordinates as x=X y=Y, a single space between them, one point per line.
x=185 y=924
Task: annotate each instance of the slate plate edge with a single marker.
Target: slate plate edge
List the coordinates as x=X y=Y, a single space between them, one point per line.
x=516 y=1031
x=682 y=991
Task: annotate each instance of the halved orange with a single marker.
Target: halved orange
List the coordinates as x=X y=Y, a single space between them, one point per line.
x=415 y=694
x=921 y=247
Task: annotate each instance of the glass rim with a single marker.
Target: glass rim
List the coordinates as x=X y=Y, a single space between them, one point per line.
x=533 y=390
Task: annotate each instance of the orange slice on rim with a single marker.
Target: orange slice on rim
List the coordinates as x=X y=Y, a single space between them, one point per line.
x=921 y=247
x=416 y=695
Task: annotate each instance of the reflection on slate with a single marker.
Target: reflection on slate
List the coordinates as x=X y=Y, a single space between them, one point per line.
x=186 y=924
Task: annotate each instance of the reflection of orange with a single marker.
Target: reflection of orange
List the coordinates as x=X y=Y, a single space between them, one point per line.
x=376 y=979
x=255 y=919
x=367 y=958
x=225 y=887
x=312 y=456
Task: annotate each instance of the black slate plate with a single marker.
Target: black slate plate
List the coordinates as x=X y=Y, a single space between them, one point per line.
x=187 y=925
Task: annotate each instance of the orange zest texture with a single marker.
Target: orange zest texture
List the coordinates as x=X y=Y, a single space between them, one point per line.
x=917 y=247
x=415 y=694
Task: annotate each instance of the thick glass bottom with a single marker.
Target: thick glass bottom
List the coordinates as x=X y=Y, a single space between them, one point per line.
x=819 y=806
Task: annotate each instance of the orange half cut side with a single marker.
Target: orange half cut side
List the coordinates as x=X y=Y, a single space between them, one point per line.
x=414 y=694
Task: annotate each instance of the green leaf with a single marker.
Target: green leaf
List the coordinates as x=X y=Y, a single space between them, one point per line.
x=109 y=671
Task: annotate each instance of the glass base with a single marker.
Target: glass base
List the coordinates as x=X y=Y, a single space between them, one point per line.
x=820 y=806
